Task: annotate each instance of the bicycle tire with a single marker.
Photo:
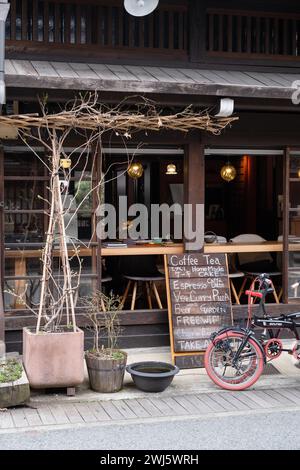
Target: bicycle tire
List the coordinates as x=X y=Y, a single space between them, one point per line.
x=243 y=382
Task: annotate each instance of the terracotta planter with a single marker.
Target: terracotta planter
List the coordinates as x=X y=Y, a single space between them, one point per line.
x=106 y=375
x=53 y=359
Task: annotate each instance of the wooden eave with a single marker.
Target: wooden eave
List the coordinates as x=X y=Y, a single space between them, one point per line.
x=149 y=80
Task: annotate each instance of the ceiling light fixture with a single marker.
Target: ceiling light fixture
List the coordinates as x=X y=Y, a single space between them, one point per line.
x=135 y=170
x=171 y=169
x=228 y=172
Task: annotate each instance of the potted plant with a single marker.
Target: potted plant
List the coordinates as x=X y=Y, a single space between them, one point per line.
x=53 y=351
x=14 y=386
x=105 y=363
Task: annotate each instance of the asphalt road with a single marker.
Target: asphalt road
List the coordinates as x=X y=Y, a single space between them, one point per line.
x=267 y=430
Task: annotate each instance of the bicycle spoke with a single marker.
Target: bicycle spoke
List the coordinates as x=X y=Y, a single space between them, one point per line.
x=229 y=369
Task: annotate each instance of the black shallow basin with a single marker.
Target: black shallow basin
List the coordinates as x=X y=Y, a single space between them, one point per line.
x=152 y=376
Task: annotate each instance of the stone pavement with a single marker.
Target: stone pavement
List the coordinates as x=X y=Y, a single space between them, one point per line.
x=191 y=394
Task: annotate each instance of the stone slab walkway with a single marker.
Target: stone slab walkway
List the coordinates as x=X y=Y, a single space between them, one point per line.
x=42 y=415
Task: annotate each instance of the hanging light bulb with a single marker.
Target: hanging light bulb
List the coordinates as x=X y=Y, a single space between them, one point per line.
x=171 y=169
x=135 y=170
x=228 y=172
x=298 y=172
x=65 y=163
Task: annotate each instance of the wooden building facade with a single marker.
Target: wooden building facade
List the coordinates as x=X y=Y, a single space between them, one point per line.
x=185 y=53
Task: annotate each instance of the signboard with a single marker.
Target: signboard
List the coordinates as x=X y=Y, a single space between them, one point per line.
x=199 y=302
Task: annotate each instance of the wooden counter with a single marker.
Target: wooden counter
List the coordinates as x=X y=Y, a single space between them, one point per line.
x=168 y=249
x=177 y=248
x=20 y=256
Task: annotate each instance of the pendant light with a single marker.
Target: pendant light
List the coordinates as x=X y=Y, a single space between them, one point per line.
x=171 y=169
x=135 y=170
x=65 y=163
x=228 y=172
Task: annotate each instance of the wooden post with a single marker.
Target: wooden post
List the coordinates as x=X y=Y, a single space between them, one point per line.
x=1 y=243
x=250 y=194
x=197 y=30
x=194 y=188
x=286 y=217
x=97 y=199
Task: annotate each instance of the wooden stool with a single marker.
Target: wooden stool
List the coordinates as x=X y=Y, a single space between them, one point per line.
x=150 y=286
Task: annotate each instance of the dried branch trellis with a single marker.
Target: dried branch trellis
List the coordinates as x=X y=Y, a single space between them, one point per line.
x=87 y=113
x=90 y=119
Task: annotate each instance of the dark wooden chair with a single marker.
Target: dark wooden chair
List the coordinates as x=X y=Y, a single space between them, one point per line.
x=141 y=271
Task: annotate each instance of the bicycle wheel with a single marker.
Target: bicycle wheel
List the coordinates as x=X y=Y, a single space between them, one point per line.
x=219 y=365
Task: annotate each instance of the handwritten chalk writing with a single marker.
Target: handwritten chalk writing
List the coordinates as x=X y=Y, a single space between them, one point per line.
x=197 y=271
x=185 y=260
x=200 y=299
x=205 y=309
x=194 y=333
x=196 y=320
x=215 y=295
x=196 y=260
x=192 y=345
x=209 y=283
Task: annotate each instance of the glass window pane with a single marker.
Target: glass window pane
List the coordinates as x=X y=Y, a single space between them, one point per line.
x=22 y=164
x=20 y=228
x=294 y=227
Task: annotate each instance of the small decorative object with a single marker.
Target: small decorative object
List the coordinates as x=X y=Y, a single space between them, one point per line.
x=171 y=169
x=152 y=376
x=65 y=163
x=105 y=365
x=228 y=172
x=135 y=170
x=210 y=237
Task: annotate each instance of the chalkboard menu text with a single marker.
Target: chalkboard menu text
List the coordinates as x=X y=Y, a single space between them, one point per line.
x=199 y=301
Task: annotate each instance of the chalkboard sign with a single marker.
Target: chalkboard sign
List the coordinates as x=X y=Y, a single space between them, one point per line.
x=199 y=301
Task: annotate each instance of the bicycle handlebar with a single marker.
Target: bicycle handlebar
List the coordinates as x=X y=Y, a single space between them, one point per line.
x=265 y=280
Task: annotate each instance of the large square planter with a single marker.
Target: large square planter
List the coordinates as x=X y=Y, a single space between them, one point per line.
x=53 y=360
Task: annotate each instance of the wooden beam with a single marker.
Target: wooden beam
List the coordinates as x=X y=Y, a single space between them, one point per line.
x=194 y=190
x=135 y=87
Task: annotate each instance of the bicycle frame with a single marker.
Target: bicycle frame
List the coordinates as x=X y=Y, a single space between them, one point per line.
x=272 y=325
x=278 y=323
x=244 y=352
